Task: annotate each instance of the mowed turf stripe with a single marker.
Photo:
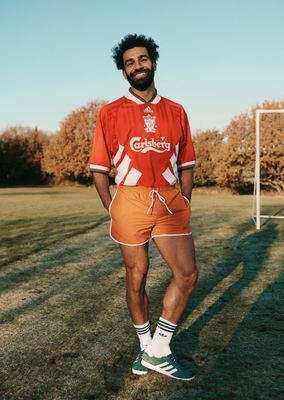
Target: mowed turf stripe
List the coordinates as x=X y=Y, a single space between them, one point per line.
x=89 y=271
x=81 y=302
x=96 y=307
x=90 y=321
x=55 y=257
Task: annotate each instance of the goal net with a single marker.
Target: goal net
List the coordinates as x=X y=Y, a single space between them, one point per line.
x=257 y=178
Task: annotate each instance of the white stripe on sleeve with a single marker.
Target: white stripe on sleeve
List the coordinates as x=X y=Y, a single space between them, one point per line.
x=99 y=167
x=186 y=164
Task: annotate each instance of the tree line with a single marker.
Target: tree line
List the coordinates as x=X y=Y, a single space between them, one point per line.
x=29 y=156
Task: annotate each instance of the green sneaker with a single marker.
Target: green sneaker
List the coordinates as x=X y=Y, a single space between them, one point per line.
x=137 y=367
x=167 y=365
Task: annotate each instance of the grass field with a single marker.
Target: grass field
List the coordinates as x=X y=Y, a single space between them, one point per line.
x=65 y=333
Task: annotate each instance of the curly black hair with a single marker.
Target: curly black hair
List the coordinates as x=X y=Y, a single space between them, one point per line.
x=130 y=41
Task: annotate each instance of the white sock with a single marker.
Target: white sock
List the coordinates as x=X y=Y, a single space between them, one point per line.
x=144 y=334
x=160 y=344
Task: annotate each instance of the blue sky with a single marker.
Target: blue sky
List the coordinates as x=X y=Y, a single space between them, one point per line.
x=217 y=57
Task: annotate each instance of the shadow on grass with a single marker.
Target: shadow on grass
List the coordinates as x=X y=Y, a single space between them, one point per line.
x=28 y=236
x=217 y=311
x=59 y=288
x=255 y=351
x=103 y=286
x=84 y=300
x=246 y=258
x=242 y=265
x=58 y=263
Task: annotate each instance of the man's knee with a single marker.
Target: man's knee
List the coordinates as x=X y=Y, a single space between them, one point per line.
x=136 y=272
x=187 y=280
x=137 y=264
x=137 y=268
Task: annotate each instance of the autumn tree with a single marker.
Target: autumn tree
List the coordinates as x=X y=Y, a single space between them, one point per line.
x=67 y=156
x=21 y=150
x=236 y=156
x=272 y=147
x=206 y=144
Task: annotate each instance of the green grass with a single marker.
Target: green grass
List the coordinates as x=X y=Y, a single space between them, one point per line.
x=65 y=332
x=32 y=219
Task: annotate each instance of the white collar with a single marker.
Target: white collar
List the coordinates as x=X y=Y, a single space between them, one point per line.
x=137 y=100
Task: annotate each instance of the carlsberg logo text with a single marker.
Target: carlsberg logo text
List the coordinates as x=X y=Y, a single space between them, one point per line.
x=136 y=144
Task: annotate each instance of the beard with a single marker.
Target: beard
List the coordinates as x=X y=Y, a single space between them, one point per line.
x=141 y=84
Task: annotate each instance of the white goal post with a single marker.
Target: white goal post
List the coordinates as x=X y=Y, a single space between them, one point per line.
x=256 y=214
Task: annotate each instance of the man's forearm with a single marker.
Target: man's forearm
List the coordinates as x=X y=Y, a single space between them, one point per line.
x=102 y=185
x=186 y=182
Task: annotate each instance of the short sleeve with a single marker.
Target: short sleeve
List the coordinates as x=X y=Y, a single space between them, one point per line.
x=186 y=156
x=100 y=155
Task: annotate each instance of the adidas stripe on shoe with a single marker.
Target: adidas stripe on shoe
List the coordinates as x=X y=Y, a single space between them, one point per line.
x=167 y=365
x=137 y=367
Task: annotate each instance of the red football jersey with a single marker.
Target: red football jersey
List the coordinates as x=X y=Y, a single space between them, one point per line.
x=147 y=142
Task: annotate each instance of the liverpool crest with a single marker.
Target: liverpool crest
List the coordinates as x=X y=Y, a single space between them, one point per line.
x=150 y=123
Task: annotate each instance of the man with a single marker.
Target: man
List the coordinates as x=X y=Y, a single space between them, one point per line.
x=147 y=138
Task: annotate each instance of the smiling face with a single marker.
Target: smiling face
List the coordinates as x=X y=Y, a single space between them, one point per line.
x=139 y=69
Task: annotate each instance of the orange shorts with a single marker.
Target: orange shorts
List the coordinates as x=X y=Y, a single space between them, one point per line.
x=140 y=213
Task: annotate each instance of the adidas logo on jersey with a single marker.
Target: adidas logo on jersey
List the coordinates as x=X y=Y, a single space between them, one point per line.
x=145 y=145
x=148 y=110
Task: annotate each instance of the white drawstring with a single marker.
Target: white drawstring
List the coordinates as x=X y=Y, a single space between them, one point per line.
x=161 y=198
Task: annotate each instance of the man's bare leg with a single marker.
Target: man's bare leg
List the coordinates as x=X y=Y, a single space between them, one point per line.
x=179 y=253
x=137 y=264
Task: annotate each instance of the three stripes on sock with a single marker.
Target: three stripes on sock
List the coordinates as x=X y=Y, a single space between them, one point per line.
x=144 y=334
x=159 y=346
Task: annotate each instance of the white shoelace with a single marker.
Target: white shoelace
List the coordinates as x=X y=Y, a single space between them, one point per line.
x=161 y=198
